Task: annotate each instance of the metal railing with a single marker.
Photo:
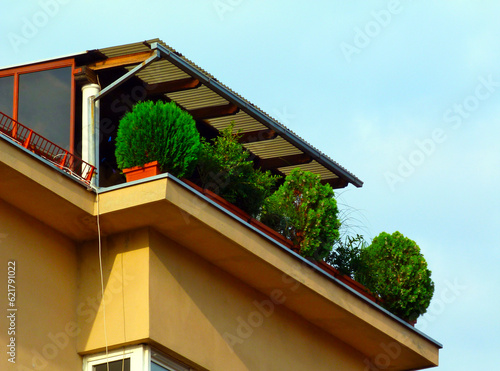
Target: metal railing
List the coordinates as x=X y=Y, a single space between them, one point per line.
x=46 y=149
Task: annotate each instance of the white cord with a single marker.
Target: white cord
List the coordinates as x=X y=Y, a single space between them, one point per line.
x=102 y=280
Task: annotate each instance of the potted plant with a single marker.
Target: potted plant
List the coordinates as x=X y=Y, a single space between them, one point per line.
x=396 y=272
x=304 y=211
x=225 y=170
x=159 y=134
x=346 y=255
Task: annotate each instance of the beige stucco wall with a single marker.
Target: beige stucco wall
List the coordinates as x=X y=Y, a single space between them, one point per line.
x=46 y=287
x=125 y=260
x=159 y=292
x=197 y=309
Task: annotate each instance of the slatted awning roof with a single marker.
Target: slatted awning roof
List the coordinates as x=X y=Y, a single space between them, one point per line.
x=206 y=99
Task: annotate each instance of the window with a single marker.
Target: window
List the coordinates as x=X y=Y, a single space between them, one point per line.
x=159 y=362
x=6 y=94
x=138 y=358
x=41 y=97
x=129 y=359
x=45 y=103
x=121 y=365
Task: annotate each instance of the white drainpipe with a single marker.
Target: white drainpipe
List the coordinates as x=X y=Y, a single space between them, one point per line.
x=88 y=131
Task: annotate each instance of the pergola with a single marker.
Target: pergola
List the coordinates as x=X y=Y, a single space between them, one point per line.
x=167 y=75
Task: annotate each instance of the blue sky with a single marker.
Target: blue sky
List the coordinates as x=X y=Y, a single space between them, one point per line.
x=404 y=94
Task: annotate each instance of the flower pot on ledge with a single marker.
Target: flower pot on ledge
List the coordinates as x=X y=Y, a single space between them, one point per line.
x=141 y=172
x=273 y=234
x=347 y=280
x=412 y=323
x=219 y=200
x=227 y=205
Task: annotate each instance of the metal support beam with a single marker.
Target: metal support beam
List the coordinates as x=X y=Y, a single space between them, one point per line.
x=128 y=75
x=95 y=107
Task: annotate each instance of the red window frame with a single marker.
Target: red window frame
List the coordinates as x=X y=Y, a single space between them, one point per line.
x=16 y=71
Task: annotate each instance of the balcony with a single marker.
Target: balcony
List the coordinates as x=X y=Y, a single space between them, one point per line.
x=46 y=149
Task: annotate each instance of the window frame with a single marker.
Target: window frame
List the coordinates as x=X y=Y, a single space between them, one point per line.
x=11 y=87
x=167 y=362
x=141 y=358
x=44 y=66
x=136 y=355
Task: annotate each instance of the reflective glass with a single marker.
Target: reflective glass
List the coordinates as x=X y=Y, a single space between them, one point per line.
x=155 y=367
x=114 y=366
x=45 y=104
x=6 y=94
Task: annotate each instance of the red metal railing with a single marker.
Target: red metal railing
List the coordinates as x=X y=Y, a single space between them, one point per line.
x=45 y=148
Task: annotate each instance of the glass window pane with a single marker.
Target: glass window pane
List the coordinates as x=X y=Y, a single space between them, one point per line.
x=165 y=364
x=6 y=94
x=155 y=367
x=114 y=366
x=45 y=103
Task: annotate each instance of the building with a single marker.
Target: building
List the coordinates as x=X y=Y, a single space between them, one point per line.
x=153 y=274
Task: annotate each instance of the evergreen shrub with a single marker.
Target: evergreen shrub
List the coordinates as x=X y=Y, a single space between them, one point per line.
x=226 y=169
x=305 y=211
x=396 y=272
x=160 y=132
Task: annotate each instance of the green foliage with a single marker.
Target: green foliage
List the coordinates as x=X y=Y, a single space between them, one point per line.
x=397 y=273
x=160 y=132
x=305 y=211
x=224 y=168
x=346 y=255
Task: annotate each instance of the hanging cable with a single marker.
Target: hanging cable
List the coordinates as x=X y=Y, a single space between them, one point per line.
x=102 y=279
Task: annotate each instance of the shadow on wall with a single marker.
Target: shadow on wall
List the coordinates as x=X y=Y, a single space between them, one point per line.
x=230 y=322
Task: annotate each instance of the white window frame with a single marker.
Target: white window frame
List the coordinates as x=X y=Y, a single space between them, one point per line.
x=141 y=357
x=137 y=355
x=166 y=362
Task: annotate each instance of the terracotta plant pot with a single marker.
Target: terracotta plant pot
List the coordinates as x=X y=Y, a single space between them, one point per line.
x=220 y=201
x=347 y=280
x=141 y=172
x=273 y=234
x=227 y=205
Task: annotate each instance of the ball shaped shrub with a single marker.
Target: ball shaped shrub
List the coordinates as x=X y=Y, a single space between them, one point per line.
x=160 y=132
x=396 y=272
x=304 y=211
